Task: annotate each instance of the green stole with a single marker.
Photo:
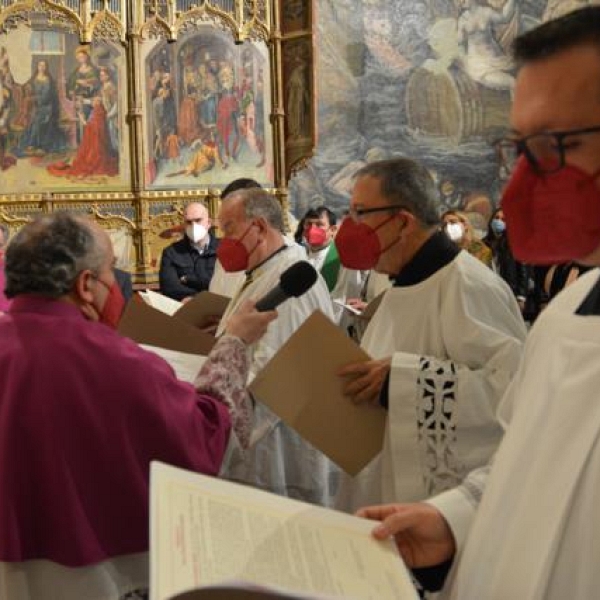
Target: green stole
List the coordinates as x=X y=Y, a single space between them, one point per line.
x=331 y=267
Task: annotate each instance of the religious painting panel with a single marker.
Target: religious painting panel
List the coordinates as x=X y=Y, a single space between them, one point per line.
x=208 y=103
x=299 y=101
x=62 y=112
x=165 y=226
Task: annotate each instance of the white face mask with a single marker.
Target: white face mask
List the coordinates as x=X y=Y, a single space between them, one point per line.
x=196 y=232
x=455 y=231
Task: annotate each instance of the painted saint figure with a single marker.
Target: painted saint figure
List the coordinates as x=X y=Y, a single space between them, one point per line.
x=94 y=155
x=83 y=86
x=485 y=59
x=6 y=160
x=110 y=101
x=298 y=102
x=43 y=134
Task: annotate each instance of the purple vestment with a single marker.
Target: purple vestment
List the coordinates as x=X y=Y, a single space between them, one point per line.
x=83 y=411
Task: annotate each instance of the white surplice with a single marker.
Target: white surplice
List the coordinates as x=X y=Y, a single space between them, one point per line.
x=455 y=340
x=279 y=460
x=121 y=578
x=535 y=535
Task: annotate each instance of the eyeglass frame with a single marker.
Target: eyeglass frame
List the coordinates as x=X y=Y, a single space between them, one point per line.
x=523 y=149
x=356 y=213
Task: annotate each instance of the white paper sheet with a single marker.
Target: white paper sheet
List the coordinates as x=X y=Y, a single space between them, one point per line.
x=186 y=366
x=205 y=531
x=160 y=302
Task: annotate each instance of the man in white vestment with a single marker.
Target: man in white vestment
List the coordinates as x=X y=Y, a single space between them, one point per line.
x=226 y=283
x=526 y=527
x=445 y=341
x=279 y=460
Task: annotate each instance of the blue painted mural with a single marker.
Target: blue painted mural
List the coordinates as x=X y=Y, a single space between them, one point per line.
x=428 y=79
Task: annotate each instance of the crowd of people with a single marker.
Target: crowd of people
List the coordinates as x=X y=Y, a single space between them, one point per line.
x=487 y=476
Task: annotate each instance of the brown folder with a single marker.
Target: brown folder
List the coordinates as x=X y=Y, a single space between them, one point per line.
x=299 y=384
x=204 y=306
x=146 y=325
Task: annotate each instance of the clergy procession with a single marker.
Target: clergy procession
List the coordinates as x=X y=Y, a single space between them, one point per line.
x=486 y=479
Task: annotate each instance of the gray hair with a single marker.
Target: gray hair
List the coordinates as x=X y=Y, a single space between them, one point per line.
x=47 y=254
x=406 y=182
x=257 y=203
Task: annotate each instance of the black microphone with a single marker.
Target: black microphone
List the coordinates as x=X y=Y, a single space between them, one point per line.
x=294 y=281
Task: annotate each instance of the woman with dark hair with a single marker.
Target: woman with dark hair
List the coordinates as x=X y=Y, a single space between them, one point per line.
x=522 y=279
x=43 y=134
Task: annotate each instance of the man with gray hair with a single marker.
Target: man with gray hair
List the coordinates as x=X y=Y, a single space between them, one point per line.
x=279 y=459
x=445 y=341
x=83 y=411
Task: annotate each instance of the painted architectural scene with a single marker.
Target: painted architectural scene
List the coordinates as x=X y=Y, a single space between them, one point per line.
x=62 y=108
x=428 y=79
x=208 y=103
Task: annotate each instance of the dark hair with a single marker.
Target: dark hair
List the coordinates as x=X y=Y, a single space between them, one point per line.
x=317 y=213
x=405 y=182
x=490 y=236
x=242 y=183
x=299 y=233
x=46 y=255
x=573 y=29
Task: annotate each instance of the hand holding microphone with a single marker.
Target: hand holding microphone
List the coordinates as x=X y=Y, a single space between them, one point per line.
x=250 y=321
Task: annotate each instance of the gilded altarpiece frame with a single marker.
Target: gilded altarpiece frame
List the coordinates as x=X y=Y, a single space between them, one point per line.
x=127 y=110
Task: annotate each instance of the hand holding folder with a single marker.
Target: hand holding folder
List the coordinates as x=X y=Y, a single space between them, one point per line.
x=301 y=385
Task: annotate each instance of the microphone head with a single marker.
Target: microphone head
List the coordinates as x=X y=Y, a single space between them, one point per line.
x=298 y=279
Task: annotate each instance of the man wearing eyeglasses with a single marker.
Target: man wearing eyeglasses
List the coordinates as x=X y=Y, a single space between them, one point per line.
x=527 y=526
x=445 y=341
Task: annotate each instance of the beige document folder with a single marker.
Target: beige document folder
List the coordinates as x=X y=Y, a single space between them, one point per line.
x=205 y=531
x=299 y=384
x=199 y=310
x=147 y=325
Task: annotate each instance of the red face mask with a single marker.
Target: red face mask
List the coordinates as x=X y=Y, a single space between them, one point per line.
x=316 y=236
x=551 y=218
x=233 y=255
x=113 y=307
x=358 y=244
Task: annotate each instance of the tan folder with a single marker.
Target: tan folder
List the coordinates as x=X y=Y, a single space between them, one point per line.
x=300 y=385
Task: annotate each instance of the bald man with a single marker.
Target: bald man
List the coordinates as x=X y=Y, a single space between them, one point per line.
x=187 y=266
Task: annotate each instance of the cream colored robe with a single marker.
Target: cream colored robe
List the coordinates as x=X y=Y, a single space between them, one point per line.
x=535 y=534
x=455 y=340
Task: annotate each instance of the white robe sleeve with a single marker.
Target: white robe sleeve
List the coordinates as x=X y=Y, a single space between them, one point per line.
x=459 y=504
x=442 y=409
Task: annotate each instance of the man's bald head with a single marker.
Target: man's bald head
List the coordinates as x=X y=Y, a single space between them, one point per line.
x=195 y=211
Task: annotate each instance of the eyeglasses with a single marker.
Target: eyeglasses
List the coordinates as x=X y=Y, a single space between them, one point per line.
x=357 y=213
x=544 y=151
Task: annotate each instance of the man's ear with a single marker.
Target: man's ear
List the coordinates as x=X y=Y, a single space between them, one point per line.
x=408 y=221
x=83 y=286
x=262 y=224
